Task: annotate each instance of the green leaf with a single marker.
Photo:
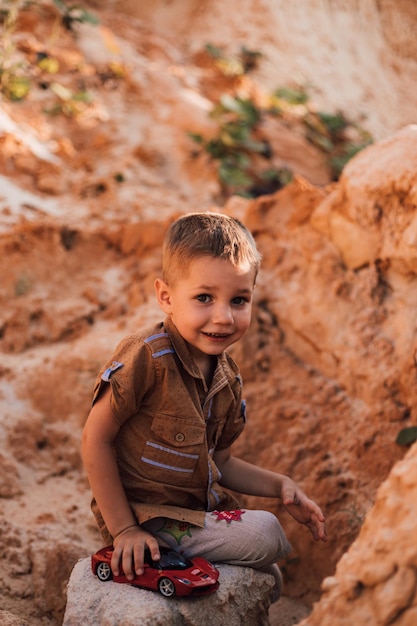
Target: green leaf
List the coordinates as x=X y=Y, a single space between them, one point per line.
x=254 y=146
x=245 y=109
x=292 y=96
x=196 y=137
x=339 y=161
x=16 y=87
x=216 y=149
x=238 y=160
x=333 y=122
x=82 y=96
x=49 y=65
x=75 y=13
x=234 y=134
x=60 y=5
x=230 y=67
x=249 y=58
x=320 y=141
x=79 y=14
x=213 y=51
x=407 y=436
x=234 y=177
x=283 y=176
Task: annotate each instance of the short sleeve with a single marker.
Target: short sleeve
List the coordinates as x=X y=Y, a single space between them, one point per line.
x=131 y=375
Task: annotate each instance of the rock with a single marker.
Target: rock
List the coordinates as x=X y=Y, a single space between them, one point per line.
x=287 y=612
x=241 y=600
x=375 y=581
x=9 y=478
x=370 y=214
x=52 y=559
x=9 y=619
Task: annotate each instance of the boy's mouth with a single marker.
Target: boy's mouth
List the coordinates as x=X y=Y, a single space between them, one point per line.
x=218 y=335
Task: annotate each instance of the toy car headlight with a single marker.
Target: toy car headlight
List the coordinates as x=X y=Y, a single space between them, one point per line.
x=184 y=581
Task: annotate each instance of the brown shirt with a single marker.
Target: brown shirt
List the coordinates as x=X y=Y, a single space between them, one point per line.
x=170 y=425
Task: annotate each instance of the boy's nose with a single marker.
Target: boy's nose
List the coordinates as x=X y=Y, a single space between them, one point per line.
x=223 y=315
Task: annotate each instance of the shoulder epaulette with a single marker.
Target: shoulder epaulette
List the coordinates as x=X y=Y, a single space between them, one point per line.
x=159 y=344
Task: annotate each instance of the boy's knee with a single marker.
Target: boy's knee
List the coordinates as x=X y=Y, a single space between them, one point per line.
x=272 y=538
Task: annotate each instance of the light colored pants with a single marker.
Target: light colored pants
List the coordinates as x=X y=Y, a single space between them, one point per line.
x=242 y=537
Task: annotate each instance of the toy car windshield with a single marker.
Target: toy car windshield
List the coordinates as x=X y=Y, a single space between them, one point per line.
x=172 y=560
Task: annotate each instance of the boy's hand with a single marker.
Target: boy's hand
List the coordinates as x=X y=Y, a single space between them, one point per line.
x=129 y=549
x=302 y=509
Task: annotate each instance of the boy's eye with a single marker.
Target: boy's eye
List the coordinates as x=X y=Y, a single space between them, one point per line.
x=203 y=297
x=240 y=301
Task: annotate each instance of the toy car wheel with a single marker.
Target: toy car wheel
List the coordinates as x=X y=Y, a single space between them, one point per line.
x=166 y=587
x=103 y=572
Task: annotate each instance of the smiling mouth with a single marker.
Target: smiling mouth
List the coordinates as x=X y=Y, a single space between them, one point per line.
x=218 y=335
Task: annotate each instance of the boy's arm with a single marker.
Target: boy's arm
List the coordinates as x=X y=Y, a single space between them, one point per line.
x=243 y=477
x=99 y=459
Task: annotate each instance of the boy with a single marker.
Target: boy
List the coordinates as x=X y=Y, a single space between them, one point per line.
x=167 y=408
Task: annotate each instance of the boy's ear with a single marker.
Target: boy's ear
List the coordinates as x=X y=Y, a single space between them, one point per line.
x=163 y=295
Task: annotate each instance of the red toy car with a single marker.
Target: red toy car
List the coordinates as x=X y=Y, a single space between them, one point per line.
x=172 y=575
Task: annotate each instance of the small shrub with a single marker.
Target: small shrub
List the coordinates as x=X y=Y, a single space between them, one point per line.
x=238 y=147
x=14 y=82
x=235 y=146
x=69 y=103
x=332 y=133
x=73 y=13
x=407 y=436
x=246 y=61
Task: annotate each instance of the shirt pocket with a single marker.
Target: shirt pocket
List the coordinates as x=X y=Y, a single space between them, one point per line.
x=172 y=452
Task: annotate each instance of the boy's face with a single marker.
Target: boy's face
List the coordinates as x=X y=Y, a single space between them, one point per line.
x=210 y=304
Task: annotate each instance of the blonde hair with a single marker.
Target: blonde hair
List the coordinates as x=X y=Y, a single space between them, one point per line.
x=213 y=235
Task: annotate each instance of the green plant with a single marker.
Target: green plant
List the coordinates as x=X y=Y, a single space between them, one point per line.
x=347 y=152
x=291 y=95
x=407 y=436
x=337 y=136
x=14 y=83
x=246 y=60
x=69 y=103
x=14 y=71
x=46 y=63
x=70 y=14
x=236 y=145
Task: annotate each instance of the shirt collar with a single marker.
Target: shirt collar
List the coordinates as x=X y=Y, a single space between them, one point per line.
x=184 y=354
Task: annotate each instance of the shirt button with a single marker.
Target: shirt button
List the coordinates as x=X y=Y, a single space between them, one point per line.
x=180 y=437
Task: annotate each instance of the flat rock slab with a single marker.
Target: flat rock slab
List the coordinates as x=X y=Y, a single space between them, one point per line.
x=241 y=600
